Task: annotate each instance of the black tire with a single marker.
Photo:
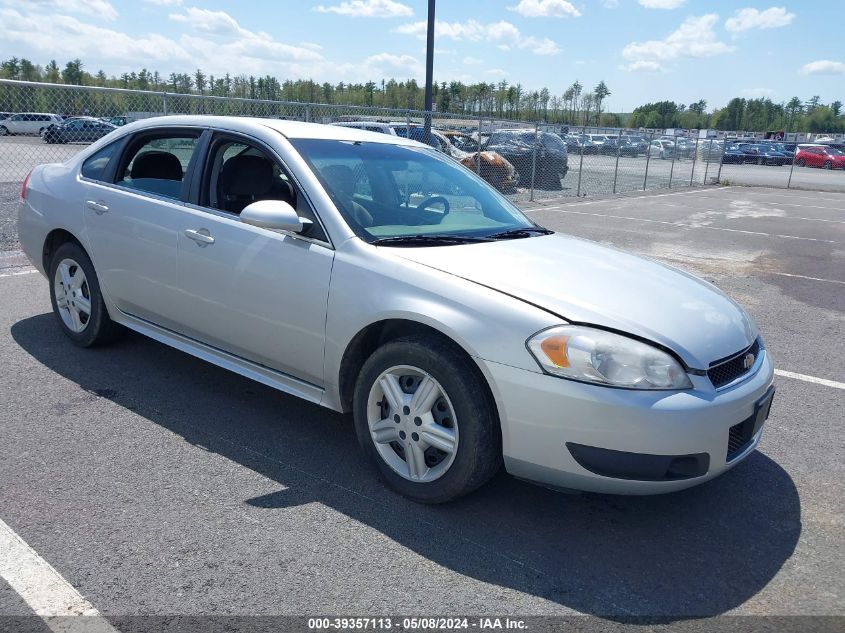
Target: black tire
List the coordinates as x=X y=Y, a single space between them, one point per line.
x=801 y=162
x=99 y=328
x=3 y=130
x=479 y=453
x=828 y=164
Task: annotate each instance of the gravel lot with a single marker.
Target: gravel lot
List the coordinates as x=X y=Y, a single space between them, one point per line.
x=158 y=484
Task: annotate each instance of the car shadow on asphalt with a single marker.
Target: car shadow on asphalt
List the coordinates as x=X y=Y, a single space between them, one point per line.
x=695 y=553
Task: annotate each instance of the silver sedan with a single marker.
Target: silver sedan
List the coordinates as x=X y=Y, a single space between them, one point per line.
x=372 y=275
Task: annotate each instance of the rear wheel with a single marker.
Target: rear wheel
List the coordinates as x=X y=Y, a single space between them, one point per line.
x=77 y=299
x=800 y=162
x=422 y=414
x=3 y=130
x=828 y=164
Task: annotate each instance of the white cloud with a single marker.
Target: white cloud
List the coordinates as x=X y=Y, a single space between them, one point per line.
x=610 y=4
x=757 y=93
x=823 y=67
x=643 y=66
x=497 y=72
x=208 y=21
x=504 y=34
x=694 y=38
x=65 y=36
x=165 y=3
x=368 y=9
x=98 y=8
x=546 y=9
x=472 y=61
x=661 y=4
x=771 y=18
x=242 y=43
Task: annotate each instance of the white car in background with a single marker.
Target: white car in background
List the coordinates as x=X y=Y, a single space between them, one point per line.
x=34 y=123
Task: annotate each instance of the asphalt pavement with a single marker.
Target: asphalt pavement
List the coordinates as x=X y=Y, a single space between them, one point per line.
x=157 y=484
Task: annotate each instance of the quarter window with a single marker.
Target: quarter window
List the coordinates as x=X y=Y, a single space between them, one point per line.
x=95 y=165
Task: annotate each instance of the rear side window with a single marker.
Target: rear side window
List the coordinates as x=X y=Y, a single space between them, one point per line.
x=95 y=165
x=157 y=164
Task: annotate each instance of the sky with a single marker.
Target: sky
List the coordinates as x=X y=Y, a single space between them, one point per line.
x=645 y=50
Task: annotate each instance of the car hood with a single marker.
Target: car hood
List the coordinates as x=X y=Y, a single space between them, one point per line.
x=585 y=282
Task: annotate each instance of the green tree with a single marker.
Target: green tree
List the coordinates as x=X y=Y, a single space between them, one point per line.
x=73 y=74
x=600 y=92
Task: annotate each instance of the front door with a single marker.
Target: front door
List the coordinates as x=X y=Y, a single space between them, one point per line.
x=257 y=293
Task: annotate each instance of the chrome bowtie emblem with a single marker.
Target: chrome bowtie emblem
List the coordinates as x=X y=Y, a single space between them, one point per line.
x=748 y=361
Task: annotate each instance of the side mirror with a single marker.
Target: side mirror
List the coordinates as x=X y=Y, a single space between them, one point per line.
x=274 y=214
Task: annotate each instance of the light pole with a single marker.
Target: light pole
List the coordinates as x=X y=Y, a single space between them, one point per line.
x=429 y=72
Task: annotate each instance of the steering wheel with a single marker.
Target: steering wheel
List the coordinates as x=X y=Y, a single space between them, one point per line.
x=428 y=201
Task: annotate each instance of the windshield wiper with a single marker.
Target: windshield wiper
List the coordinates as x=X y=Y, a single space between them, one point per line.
x=428 y=240
x=521 y=232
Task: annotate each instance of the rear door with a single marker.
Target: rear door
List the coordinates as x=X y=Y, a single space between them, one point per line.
x=258 y=293
x=132 y=216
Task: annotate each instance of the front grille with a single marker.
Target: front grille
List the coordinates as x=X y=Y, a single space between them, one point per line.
x=736 y=439
x=723 y=372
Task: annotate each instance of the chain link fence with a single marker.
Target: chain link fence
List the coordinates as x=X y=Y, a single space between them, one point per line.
x=43 y=123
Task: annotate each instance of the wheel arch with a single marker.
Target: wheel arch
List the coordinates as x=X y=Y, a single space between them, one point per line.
x=53 y=241
x=369 y=338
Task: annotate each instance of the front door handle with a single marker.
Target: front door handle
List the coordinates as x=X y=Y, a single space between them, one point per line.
x=201 y=236
x=97 y=207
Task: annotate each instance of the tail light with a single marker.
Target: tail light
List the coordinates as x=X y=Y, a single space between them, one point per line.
x=24 y=185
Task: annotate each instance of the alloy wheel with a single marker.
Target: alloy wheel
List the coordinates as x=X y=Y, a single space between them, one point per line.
x=73 y=296
x=412 y=423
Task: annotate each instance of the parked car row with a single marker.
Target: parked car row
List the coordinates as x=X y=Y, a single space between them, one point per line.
x=39 y=123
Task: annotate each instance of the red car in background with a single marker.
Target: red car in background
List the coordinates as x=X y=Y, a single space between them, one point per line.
x=820 y=156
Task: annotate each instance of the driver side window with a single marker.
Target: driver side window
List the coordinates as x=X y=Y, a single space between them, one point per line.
x=239 y=173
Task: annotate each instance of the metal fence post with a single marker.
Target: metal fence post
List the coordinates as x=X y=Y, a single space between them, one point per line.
x=164 y=102
x=694 y=158
x=707 y=159
x=308 y=114
x=581 y=163
x=647 y=160
x=534 y=161
x=408 y=125
x=616 y=169
x=792 y=167
x=721 y=160
x=672 y=168
x=478 y=153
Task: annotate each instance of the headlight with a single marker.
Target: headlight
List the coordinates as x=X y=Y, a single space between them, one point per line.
x=596 y=356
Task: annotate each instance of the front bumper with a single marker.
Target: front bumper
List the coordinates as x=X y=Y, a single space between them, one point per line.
x=540 y=415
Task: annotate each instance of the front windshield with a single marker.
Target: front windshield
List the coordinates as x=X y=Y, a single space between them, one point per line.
x=385 y=191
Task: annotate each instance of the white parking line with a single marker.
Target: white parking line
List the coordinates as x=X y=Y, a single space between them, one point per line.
x=813 y=379
x=44 y=589
x=691 y=226
x=830 y=281
x=624 y=198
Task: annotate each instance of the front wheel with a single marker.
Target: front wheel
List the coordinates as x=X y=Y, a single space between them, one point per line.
x=422 y=414
x=3 y=130
x=801 y=162
x=828 y=164
x=77 y=300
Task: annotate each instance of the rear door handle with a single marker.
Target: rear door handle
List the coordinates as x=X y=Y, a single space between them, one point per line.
x=97 y=207
x=200 y=236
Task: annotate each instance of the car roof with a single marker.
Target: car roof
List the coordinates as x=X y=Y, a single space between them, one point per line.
x=289 y=129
